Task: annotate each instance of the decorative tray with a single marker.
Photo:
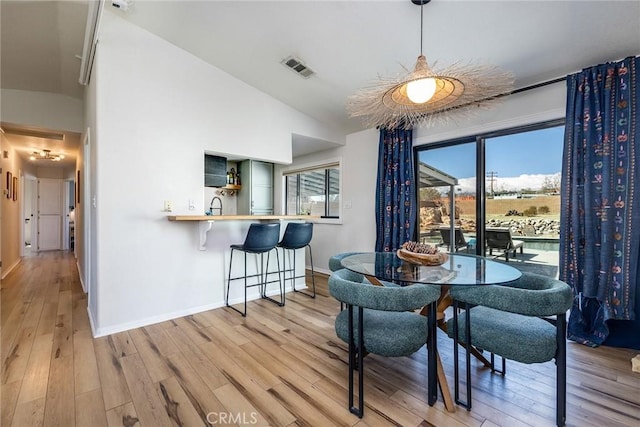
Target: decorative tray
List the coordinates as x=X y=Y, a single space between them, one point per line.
x=428 y=255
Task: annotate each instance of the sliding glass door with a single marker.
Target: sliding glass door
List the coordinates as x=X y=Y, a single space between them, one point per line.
x=522 y=209
x=506 y=199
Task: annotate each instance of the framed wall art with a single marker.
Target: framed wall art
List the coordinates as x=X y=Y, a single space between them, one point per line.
x=9 y=185
x=78 y=186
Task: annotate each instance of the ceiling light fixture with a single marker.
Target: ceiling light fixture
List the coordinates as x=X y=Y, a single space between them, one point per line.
x=46 y=155
x=426 y=95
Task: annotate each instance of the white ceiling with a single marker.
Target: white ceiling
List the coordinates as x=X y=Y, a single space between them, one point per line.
x=347 y=43
x=39 y=44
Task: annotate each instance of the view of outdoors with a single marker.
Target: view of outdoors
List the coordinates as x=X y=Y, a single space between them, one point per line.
x=521 y=191
x=314 y=192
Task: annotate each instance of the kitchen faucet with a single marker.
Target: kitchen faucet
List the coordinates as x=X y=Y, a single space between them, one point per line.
x=211 y=208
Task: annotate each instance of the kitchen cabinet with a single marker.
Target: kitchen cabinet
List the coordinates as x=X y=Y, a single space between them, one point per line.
x=256 y=196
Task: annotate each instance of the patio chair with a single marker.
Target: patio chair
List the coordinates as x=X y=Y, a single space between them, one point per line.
x=460 y=242
x=500 y=239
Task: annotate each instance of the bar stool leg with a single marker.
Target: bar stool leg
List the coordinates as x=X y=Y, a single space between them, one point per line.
x=313 y=277
x=243 y=313
x=265 y=280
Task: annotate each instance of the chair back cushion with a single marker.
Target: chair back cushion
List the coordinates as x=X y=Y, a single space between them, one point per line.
x=297 y=235
x=262 y=237
x=364 y=294
x=531 y=295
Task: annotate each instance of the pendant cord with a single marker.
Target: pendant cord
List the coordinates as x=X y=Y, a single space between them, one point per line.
x=421 y=19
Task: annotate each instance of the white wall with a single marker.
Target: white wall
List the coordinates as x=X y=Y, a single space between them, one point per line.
x=11 y=209
x=534 y=106
x=87 y=261
x=360 y=157
x=157 y=110
x=357 y=228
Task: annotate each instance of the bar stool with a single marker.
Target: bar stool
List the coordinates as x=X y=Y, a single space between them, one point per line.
x=297 y=236
x=260 y=239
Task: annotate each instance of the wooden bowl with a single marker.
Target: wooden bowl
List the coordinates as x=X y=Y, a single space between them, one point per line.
x=423 y=259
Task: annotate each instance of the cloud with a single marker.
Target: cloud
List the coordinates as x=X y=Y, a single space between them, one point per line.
x=515 y=183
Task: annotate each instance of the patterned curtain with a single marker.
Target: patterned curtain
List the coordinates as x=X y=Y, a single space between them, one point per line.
x=599 y=250
x=395 y=198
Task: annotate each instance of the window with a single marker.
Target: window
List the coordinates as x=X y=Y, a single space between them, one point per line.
x=313 y=191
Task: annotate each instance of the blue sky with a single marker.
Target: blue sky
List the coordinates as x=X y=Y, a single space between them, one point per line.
x=531 y=153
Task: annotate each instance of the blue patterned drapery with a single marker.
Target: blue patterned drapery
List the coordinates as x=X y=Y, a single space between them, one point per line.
x=395 y=198
x=599 y=250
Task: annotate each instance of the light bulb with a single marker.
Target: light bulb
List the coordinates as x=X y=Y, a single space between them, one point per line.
x=421 y=90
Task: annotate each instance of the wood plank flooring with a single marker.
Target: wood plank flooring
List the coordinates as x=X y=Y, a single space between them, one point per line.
x=280 y=366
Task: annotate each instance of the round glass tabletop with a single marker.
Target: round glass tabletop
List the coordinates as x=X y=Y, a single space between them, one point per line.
x=458 y=270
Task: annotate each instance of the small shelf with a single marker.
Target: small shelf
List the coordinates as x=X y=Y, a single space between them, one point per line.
x=231 y=187
x=229 y=190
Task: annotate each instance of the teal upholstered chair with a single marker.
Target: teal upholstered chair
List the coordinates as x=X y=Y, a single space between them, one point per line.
x=335 y=264
x=383 y=323
x=514 y=321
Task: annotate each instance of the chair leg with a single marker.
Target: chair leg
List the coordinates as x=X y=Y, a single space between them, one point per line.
x=432 y=354
x=313 y=277
x=265 y=274
x=467 y=348
x=493 y=365
x=467 y=343
x=356 y=364
x=456 y=368
x=226 y=301
x=561 y=370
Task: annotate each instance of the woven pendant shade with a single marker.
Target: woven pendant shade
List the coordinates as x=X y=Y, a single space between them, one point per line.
x=459 y=90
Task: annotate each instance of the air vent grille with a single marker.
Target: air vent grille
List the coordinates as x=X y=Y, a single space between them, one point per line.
x=296 y=65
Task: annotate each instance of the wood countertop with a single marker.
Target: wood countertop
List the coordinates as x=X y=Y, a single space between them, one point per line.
x=205 y=222
x=238 y=217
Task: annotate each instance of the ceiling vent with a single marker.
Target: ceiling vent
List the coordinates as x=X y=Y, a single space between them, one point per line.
x=296 y=65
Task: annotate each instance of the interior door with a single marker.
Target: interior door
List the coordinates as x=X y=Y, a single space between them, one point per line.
x=49 y=214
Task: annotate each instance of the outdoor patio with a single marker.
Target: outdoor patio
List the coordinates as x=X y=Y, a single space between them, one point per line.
x=539 y=255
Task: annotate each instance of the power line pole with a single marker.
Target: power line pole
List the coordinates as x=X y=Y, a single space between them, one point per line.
x=492 y=177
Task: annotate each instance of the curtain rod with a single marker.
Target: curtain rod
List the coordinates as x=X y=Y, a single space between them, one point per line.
x=550 y=82
x=533 y=86
x=513 y=92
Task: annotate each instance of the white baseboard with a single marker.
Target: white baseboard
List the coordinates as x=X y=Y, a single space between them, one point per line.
x=100 y=332
x=91 y=322
x=84 y=288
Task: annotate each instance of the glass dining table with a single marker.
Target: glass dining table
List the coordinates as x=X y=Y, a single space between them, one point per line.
x=457 y=270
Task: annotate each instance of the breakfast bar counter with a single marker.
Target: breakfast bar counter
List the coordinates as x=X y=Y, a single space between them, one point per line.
x=238 y=217
x=205 y=222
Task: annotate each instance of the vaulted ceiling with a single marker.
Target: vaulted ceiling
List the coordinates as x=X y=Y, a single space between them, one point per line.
x=346 y=43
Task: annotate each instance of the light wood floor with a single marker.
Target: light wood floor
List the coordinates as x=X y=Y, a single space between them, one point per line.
x=279 y=367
